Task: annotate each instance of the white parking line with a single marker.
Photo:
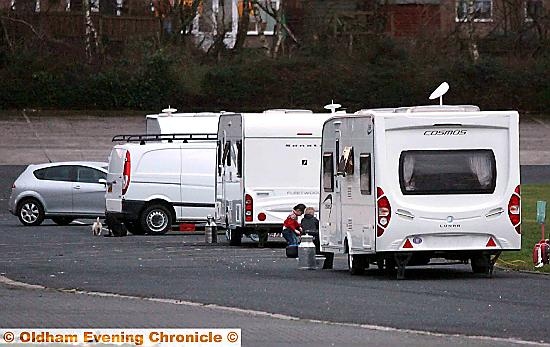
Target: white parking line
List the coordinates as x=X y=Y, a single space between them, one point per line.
x=10 y=282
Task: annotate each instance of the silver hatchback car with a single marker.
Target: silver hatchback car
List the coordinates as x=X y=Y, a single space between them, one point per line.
x=61 y=191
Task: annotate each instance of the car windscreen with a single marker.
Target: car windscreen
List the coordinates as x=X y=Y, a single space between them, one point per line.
x=430 y=172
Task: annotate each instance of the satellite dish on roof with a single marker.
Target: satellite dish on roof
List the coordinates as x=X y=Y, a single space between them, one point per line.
x=332 y=107
x=169 y=110
x=439 y=92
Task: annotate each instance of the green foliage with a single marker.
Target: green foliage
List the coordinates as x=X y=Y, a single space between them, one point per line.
x=530 y=230
x=375 y=72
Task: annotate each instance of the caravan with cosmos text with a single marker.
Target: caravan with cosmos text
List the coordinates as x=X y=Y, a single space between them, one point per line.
x=407 y=185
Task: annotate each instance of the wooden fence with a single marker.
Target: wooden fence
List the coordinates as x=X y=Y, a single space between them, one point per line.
x=67 y=25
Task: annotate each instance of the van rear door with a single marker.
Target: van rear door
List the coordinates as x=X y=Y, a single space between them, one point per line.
x=113 y=196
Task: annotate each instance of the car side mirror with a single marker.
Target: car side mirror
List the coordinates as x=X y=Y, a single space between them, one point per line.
x=102 y=181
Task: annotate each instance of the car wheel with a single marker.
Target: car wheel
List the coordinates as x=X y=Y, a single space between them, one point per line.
x=30 y=212
x=62 y=220
x=156 y=220
x=134 y=228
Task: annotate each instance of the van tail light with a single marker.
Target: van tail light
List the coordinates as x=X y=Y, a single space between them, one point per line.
x=384 y=212
x=126 y=173
x=248 y=206
x=514 y=209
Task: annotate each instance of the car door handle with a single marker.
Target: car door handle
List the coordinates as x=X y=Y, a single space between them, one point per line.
x=76 y=187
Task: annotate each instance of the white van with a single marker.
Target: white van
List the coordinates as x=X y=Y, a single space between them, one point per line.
x=266 y=164
x=152 y=185
x=404 y=186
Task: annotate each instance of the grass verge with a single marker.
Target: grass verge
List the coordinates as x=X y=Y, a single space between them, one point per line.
x=531 y=230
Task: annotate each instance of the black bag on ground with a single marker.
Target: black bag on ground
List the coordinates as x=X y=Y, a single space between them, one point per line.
x=292 y=251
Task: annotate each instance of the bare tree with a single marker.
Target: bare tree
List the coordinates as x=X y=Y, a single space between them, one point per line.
x=281 y=30
x=91 y=39
x=244 y=22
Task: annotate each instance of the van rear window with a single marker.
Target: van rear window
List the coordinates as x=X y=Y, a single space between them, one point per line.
x=447 y=172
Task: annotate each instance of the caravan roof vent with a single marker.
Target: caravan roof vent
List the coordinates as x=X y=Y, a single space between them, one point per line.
x=370 y=110
x=437 y=108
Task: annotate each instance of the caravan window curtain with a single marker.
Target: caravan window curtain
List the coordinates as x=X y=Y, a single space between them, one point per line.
x=434 y=172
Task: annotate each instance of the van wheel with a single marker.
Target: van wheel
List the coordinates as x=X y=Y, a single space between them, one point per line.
x=62 y=220
x=156 y=220
x=30 y=212
x=134 y=228
x=356 y=264
x=481 y=264
x=235 y=236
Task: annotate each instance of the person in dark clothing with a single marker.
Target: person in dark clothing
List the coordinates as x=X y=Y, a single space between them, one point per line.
x=310 y=225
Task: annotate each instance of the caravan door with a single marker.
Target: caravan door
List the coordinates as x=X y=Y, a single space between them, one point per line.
x=330 y=212
x=356 y=189
x=220 y=215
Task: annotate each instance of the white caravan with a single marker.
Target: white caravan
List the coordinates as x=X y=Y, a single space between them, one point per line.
x=403 y=186
x=169 y=122
x=266 y=164
x=151 y=185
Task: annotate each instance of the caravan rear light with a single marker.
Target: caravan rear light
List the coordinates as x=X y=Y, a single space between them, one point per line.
x=384 y=211
x=248 y=207
x=514 y=209
x=126 y=173
x=261 y=216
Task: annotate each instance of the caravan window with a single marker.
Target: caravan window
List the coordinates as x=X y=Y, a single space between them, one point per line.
x=345 y=166
x=328 y=172
x=364 y=174
x=447 y=172
x=239 y=158
x=219 y=159
x=227 y=153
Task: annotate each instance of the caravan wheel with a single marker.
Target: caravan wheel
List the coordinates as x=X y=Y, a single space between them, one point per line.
x=481 y=264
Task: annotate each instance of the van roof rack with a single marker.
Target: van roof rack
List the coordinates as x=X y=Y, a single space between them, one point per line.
x=143 y=138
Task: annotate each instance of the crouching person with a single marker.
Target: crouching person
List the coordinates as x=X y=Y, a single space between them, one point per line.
x=292 y=229
x=310 y=226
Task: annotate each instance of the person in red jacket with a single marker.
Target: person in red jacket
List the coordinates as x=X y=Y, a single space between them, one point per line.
x=291 y=227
